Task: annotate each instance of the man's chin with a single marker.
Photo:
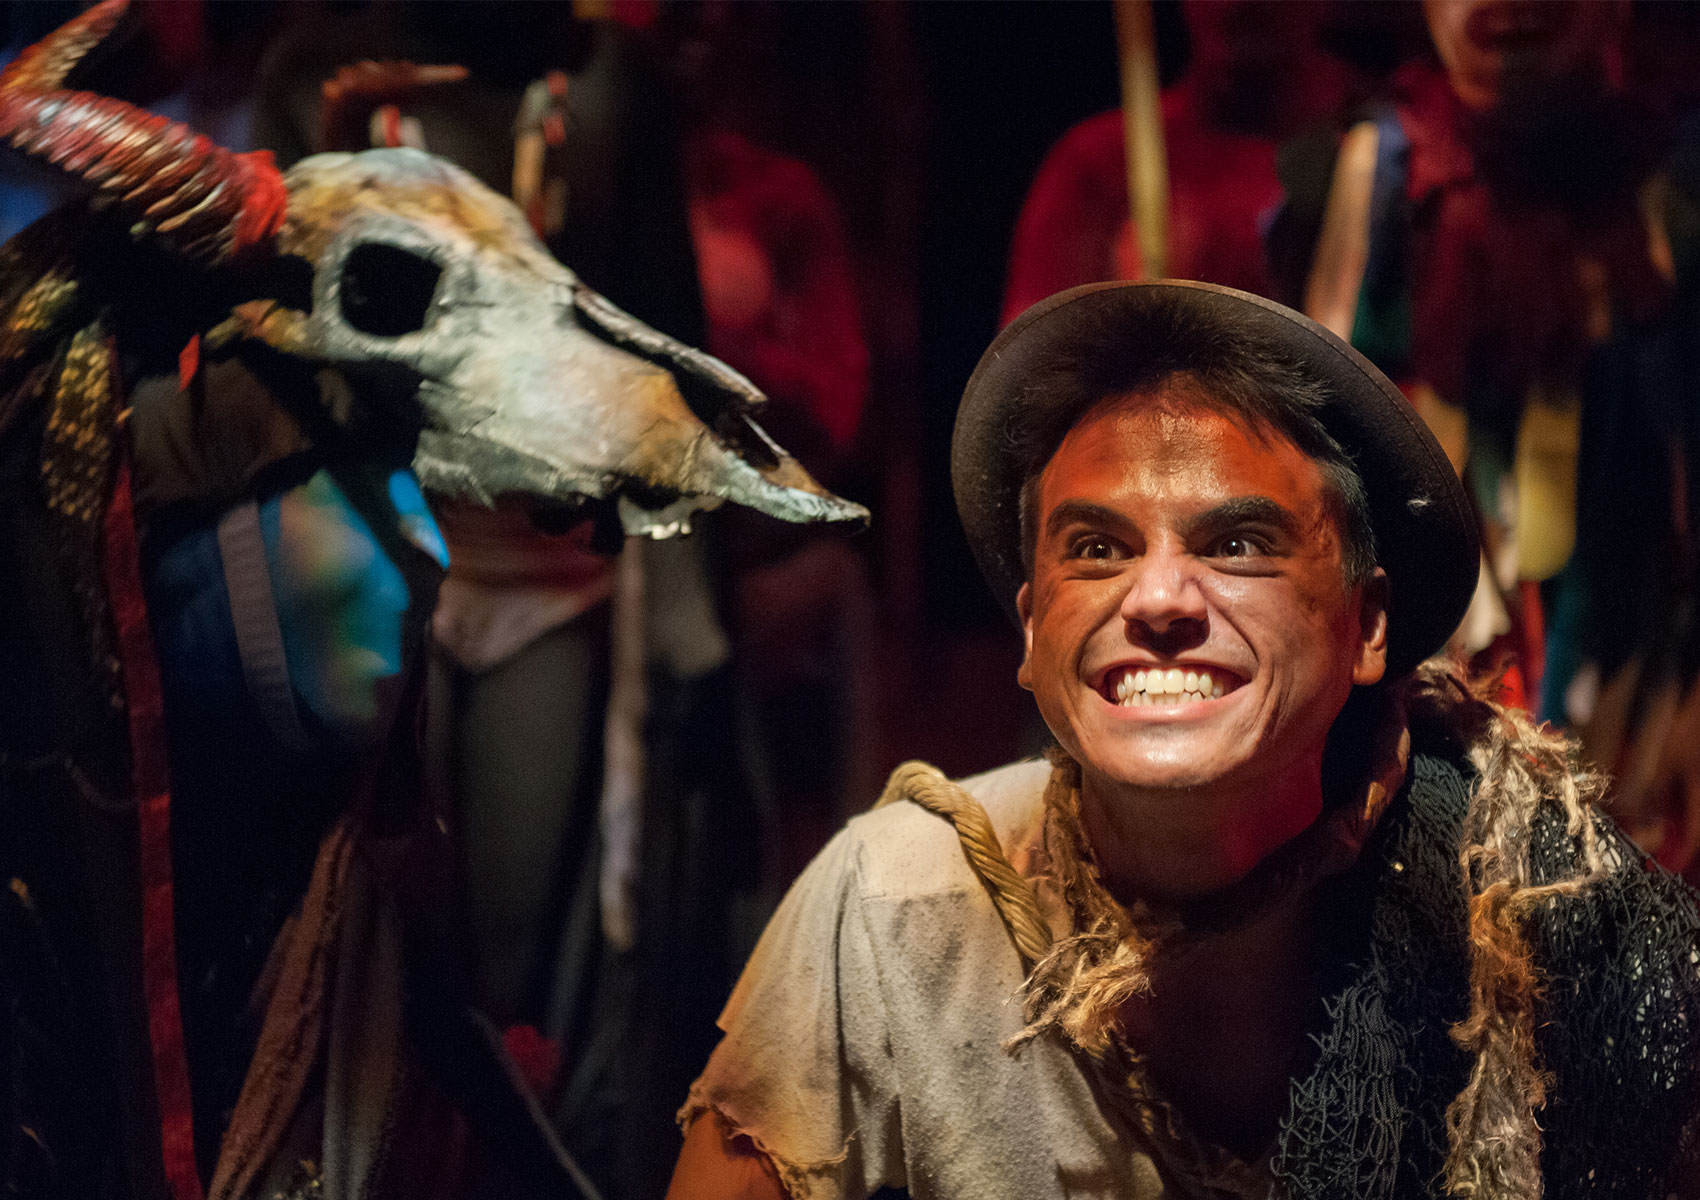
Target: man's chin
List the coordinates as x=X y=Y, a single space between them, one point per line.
x=1176 y=769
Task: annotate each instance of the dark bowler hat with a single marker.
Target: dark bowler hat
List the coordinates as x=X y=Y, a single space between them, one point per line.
x=1425 y=530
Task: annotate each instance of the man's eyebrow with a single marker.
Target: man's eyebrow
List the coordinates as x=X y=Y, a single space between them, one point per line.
x=1241 y=510
x=1246 y=510
x=1081 y=512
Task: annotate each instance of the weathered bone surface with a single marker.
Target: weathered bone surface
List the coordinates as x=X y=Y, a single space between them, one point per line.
x=528 y=382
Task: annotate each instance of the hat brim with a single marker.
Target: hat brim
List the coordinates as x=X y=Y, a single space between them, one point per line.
x=1425 y=528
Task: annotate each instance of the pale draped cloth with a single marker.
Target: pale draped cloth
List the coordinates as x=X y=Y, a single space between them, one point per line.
x=864 y=1042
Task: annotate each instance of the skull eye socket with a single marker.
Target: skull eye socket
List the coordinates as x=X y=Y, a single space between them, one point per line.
x=386 y=291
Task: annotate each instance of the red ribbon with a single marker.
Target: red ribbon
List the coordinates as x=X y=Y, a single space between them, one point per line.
x=150 y=776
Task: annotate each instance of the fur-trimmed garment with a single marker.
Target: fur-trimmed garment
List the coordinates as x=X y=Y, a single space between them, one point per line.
x=864 y=1043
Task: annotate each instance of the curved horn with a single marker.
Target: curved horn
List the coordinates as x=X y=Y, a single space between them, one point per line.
x=348 y=99
x=194 y=196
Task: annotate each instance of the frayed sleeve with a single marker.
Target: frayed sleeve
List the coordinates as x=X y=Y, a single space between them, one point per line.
x=805 y=1067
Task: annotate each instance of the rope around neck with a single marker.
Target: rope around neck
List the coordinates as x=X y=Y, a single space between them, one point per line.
x=1011 y=894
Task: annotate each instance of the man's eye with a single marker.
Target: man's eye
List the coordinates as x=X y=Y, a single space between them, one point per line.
x=1092 y=546
x=1238 y=546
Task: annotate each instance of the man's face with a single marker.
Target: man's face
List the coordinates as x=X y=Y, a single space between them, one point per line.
x=1488 y=44
x=1188 y=624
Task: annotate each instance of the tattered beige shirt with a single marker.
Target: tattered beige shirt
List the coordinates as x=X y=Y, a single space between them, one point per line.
x=863 y=1043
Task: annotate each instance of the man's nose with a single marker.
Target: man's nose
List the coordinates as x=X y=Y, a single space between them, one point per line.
x=1164 y=598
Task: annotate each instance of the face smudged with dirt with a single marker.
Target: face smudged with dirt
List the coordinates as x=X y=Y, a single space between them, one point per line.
x=1175 y=542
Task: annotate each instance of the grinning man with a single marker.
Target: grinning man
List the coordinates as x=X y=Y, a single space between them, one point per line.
x=1287 y=912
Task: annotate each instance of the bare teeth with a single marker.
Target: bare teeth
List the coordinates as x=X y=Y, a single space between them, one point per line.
x=1142 y=688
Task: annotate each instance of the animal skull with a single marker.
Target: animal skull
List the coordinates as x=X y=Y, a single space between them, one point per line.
x=528 y=382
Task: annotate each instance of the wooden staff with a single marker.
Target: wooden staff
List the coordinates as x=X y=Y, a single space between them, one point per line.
x=1142 y=131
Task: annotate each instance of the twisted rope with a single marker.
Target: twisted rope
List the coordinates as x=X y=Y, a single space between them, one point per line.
x=1011 y=894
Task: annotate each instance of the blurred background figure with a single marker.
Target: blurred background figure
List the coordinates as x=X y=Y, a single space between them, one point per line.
x=579 y=685
x=779 y=292
x=1511 y=239
x=1256 y=75
x=612 y=748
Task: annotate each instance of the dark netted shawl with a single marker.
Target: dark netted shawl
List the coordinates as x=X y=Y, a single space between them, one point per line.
x=1618 y=1028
